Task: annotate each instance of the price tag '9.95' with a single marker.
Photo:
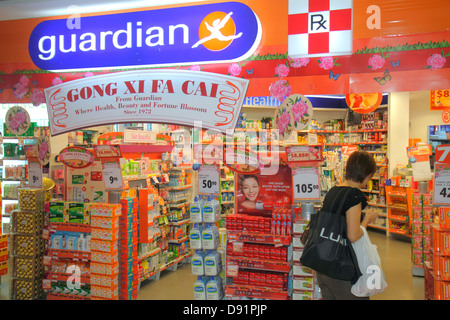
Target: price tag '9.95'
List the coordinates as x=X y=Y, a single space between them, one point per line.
x=306 y=184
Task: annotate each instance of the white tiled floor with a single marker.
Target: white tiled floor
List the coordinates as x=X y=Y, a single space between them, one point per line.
x=394 y=252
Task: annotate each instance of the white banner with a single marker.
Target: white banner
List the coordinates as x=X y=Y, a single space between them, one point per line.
x=158 y=96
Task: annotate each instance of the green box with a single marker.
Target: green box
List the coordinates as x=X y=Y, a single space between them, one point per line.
x=57 y=211
x=75 y=212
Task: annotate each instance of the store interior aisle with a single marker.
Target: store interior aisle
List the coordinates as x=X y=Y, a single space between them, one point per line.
x=395 y=255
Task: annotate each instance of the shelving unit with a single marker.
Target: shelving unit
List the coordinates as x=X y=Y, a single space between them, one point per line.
x=258 y=263
x=14 y=171
x=399 y=200
x=227 y=190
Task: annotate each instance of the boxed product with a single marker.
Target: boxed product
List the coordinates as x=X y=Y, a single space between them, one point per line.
x=105 y=234
x=111 y=293
x=104 y=246
x=26 y=289
x=3 y=254
x=3 y=268
x=27 y=222
x=27 y=268
x=104 y=222
x=303 y=283
x=105 y=257
x=104 y=268
x=31 y=199
x=27 y=245
x=57 y=212
x=3 y=241
x=77 y=212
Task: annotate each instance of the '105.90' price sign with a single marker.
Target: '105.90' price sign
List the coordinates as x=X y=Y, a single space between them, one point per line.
x=306 y=183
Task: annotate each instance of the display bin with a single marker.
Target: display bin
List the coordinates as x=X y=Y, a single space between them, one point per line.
x=26 y=268
x=25 y=245
x=27 y=222
x=31 y=199
x=26 y=289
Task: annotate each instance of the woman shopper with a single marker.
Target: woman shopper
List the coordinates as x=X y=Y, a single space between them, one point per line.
x=359 y=171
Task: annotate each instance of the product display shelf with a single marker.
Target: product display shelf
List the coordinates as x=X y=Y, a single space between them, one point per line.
x=227 y=190
x=14 y=157
x=422 y=218
x=436 y=269
x=258 y=263
x=26 y=246
x=304 y=282
x=59 y=259
x=399 y=210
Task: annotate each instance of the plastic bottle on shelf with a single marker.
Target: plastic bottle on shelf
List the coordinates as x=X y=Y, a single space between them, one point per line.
x=210 y=237
x=200 y=288
x=211 y=210
x=198 y=263
x=214 y=288
x=196 y=209
x=213 y=263
x=196 y=237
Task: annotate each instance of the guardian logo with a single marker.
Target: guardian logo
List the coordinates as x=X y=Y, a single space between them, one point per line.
x=211 y=33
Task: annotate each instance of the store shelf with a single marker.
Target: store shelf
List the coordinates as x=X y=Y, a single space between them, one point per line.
x=258 y=238
x=260 y=264
x=376 y=226
x=150 y=254
x=62 y=296
x=71 y=227
x=144 y=148
x=255 y=292
x=69 y=254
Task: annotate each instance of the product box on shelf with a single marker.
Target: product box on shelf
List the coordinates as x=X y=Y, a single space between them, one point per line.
x=57 y=212
x=3 y=268
x=27 y=222
x=3 y=254
x=31 y=199
x=77 y=212
x=26 y=267
x=26 y=245
x=26 y=289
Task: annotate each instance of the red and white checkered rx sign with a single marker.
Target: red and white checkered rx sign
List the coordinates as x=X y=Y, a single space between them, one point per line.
x=319 y=28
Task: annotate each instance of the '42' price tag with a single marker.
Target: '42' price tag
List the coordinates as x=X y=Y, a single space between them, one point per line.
x=441 y=186
x=306 y=183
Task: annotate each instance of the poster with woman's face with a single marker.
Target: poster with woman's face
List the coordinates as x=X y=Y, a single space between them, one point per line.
x=258 y=194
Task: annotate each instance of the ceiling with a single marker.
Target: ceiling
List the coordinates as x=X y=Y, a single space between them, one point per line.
x=23 y=9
